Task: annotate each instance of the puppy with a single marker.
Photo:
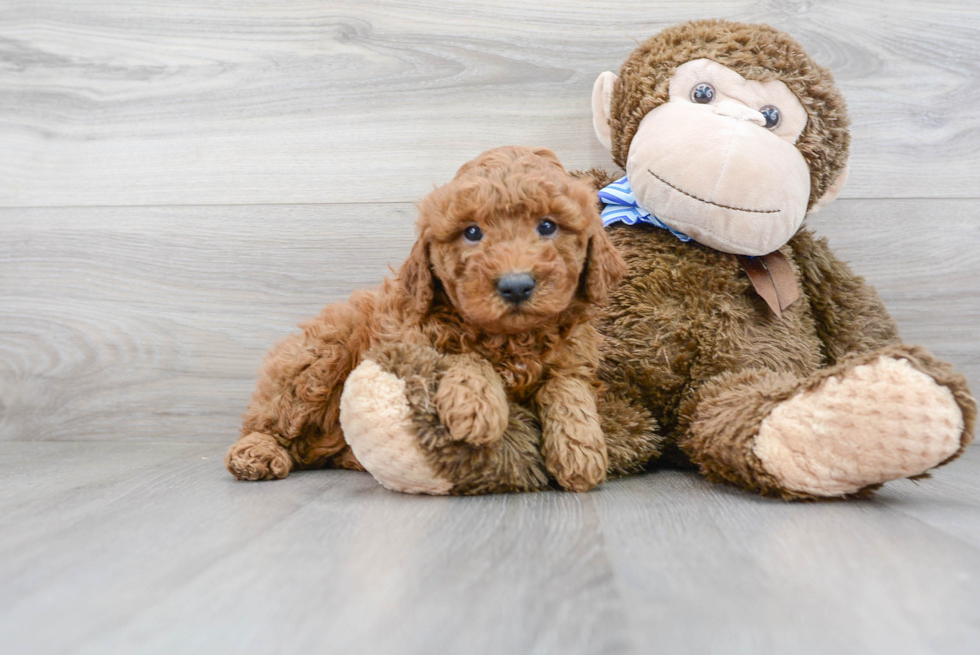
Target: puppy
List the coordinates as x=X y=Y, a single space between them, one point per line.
x=509 y=267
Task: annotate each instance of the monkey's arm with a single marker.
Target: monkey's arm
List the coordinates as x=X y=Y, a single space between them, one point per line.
x=850 y=317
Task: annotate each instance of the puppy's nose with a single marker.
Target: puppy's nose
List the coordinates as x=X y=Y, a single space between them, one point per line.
x=515 y=287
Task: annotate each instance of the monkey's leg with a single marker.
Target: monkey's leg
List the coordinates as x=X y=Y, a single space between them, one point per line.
x=632 y=435
x=420 y=422
x=845 y=430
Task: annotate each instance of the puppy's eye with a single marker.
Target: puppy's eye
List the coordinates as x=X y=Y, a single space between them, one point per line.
x=472 y=234
x=703 y=94
x=547 y=227
x=771 y=115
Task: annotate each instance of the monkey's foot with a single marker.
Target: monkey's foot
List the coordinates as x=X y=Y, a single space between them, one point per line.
x=377 y=419
x=396 y=426
x=866 y=425
x=257 y=456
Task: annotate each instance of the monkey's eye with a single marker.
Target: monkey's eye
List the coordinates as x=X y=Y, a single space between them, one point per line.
x=771 y=115
x=472 y=234
x=703 y=94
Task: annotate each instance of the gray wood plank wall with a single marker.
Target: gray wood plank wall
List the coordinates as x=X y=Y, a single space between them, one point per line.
x=180 y=183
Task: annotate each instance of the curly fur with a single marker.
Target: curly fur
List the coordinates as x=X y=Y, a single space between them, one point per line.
x=444 y=297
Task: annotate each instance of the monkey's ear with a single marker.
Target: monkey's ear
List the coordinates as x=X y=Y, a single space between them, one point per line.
x=415 y=277
x=832 y=191
x=601 y=101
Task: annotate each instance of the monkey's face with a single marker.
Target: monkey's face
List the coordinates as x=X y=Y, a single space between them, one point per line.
x=718 y=161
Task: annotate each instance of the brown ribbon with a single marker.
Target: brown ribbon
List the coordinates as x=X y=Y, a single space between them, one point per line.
x=773 y=279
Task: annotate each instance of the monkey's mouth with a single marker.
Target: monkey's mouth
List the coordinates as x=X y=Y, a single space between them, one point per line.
x=708 y=202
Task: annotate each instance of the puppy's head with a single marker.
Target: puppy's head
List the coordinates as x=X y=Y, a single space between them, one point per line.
x=513 y=240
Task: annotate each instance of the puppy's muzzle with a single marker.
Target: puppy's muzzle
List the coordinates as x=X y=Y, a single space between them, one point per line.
x=515 y=288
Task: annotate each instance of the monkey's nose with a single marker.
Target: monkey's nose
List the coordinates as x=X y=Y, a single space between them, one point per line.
x=515 y=287
x=740 y=112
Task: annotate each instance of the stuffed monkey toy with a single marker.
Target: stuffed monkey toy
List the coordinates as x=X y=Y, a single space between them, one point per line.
x=738 y=343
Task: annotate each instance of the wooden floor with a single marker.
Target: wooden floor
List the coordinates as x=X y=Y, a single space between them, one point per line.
x=181 y=183
x=152 y=548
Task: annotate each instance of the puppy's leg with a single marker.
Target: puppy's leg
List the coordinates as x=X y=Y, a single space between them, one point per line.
x=293 y=420
x=471 y=400
x=345 y=459
x=572 y=443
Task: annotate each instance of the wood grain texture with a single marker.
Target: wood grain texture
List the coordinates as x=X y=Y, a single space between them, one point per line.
x=924 y=258
x=180 y=557
x=708 y=569
x=153 y=548
x=952 y=506
x=149 y=323
x=138 y=102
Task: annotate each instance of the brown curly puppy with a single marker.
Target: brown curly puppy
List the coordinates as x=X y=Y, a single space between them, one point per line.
x=510 y=262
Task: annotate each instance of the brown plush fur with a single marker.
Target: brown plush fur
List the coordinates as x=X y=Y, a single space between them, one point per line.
x=731 y=408
x=544 y=353
x=688 y=340
x=757 y=52
x=691 y=352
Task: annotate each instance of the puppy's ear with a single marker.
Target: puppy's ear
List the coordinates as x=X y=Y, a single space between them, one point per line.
x=549 y=156
x=604 y=268
x=415 y=277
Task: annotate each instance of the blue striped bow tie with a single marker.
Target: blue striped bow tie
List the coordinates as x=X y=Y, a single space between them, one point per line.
x=621 y=207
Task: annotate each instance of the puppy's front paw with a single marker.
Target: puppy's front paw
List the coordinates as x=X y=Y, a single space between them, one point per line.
x=472 y=403
x=577 y=467
x=574 y=450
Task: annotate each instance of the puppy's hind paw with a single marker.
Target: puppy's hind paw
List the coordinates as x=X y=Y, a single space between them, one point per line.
x=257 y=456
